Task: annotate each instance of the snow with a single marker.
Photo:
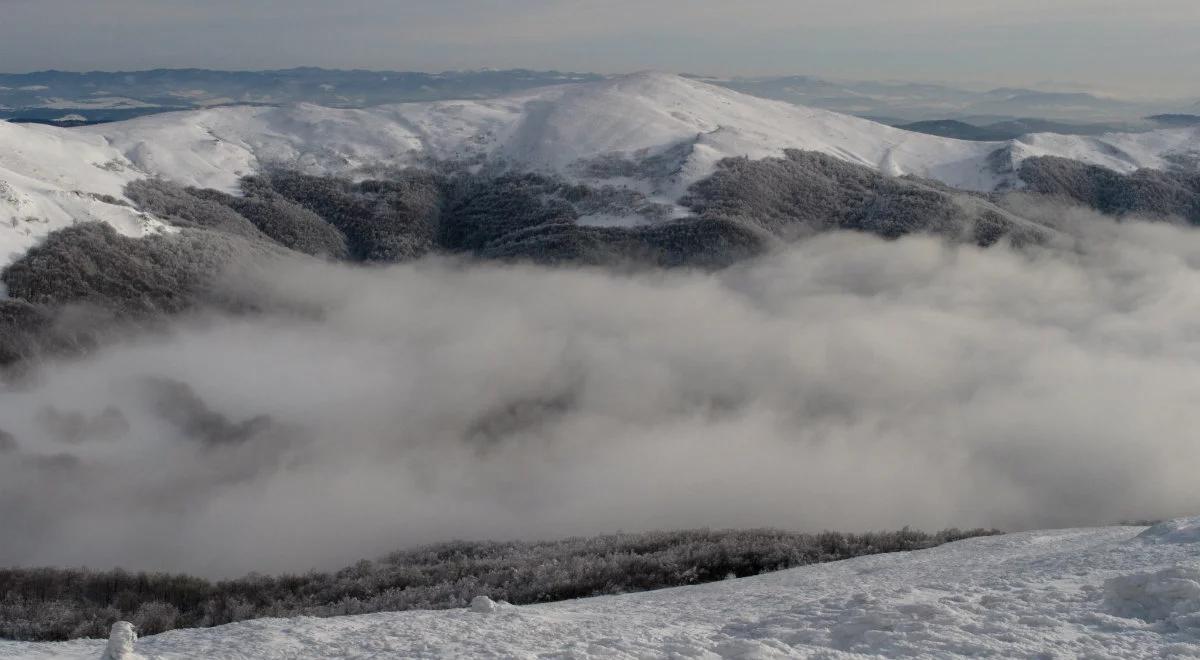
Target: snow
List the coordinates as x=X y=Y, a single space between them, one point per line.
x=50 y=176
x=1170 y=596
x=1173 y=531
x=1112 y=592
x=120 y=642
x=559 y=127
x=483 y=605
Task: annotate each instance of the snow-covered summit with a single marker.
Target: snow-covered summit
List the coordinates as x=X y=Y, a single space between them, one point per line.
x=1108 y=592
x=657 y=132
x=560 y=127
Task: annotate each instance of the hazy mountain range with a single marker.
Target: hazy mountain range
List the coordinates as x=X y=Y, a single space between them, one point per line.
x=105 y=96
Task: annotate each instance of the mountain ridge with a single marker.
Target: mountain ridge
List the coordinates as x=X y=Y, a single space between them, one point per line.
x=653 y=132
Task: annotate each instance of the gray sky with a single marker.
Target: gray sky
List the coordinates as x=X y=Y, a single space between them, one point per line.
x=1144 y=46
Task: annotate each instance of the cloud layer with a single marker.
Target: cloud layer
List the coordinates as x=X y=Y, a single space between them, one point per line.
x=846 y=383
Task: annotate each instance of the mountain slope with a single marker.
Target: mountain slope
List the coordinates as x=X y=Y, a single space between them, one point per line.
x=555 y=128
x=51 y=178
x=688 y=125
x=1107 y=592
x=656 y=133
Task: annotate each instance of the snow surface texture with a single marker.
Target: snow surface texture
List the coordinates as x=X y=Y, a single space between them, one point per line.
x=1114 y=592
x=656 y=132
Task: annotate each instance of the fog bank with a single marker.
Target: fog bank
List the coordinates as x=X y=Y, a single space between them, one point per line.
x=847 y=383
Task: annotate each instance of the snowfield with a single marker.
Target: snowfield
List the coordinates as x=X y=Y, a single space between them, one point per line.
x=1113 y=592
x=52 y=177
x=593 y=132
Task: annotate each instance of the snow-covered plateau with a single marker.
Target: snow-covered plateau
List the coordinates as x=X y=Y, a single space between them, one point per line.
x=656 y=132
x=1111 y=592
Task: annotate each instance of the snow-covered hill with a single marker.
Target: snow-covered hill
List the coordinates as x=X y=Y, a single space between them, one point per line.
x=657 y=132
x=561 y=127
x=52 y=177
x=1114 y=592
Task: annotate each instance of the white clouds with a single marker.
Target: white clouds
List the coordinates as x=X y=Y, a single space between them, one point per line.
x=848 y=383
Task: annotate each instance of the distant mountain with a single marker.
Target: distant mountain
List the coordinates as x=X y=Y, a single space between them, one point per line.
x=952 y=128
x=909 y=102
x=114 y=96
x=1015 y=128
x=1175 y=120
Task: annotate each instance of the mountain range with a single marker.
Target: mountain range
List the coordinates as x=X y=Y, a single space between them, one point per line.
x=656 y=134
x=108 y=96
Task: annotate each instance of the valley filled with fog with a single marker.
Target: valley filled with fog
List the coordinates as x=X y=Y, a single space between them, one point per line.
x=846 y=381
x=581 y=335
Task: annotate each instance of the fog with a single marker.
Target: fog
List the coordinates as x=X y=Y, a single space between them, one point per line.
x=846 y=383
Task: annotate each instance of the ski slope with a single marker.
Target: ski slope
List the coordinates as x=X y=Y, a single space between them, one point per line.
x=50 y=176
x=1113 y=592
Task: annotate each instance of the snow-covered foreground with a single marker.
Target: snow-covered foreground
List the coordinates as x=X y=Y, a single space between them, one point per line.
x=1114 y=592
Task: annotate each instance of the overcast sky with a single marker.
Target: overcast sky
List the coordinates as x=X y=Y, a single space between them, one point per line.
x=1142 y=46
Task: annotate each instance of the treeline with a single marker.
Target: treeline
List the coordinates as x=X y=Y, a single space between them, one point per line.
x=52 y=604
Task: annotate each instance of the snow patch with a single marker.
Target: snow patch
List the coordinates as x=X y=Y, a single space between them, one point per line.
x=483 y=605
x=1183 y=530
x=1171 y=596
x=120 y=642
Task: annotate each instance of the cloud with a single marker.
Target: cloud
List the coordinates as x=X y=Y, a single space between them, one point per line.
x=847 y=383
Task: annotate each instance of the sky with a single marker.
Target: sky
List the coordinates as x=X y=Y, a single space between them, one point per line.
x=1146 y=47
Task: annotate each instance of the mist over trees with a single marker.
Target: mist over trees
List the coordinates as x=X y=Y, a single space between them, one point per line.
x=745 y=209
x=462 y=361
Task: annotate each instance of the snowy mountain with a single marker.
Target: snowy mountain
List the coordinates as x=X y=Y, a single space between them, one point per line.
x=109 y=96
x=658 y=133
x=53 y=177
x=1125 y=592
x=688 y=124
